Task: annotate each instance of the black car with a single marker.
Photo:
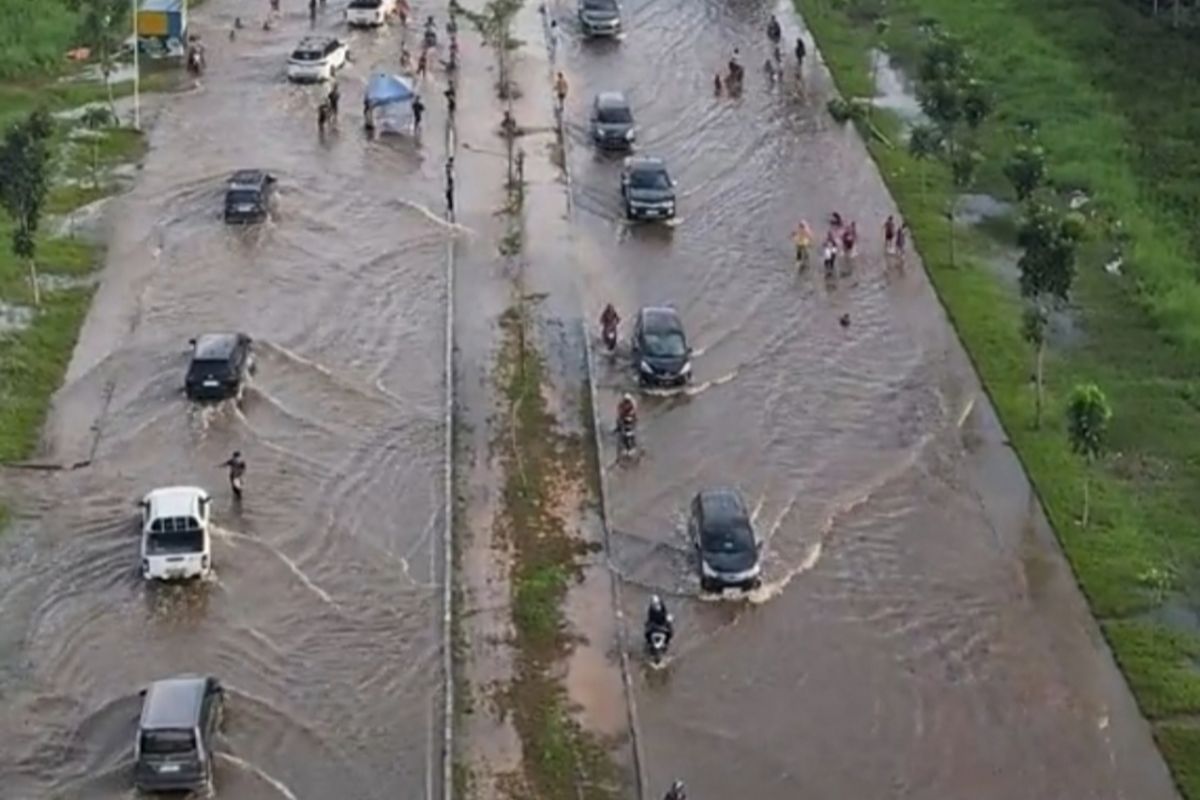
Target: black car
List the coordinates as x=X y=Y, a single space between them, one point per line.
x=176 y=734
x=220 y=363
x=660 y=348
x=612 y=121
x=725 y=542
x=600 y=17
x=248 y=196
x=647 y=188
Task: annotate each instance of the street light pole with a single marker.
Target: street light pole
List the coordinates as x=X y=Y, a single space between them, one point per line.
x=137 y=70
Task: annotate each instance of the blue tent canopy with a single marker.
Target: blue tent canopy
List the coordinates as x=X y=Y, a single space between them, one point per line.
x=384 y=89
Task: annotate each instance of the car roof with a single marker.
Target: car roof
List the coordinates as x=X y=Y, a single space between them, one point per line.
x=722 y=505
x=173 y=702
x=611 y=100
x=213 y=346
x=646 y=163
x=175 y=501
x=598 y=3
x=247 y=177
x=315 y=42
x=660 y=317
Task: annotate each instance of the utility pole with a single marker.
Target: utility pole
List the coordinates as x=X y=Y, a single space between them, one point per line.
x=137 y=70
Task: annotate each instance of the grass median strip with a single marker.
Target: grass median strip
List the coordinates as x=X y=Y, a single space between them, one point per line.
x=542 y=479
x=1111 y=120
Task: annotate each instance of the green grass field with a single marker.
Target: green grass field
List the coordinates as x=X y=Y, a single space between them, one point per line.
x=1115 y=98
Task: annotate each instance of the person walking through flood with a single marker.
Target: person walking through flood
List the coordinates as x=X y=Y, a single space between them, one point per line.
x=418 y=110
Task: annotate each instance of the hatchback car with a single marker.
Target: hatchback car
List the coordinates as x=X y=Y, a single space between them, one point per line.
x=660 y=348
x=248 y=196
x=176 y=734
x=612 y=121
x=724 y=538
x=600 y=17
x=219 y=367
x=647 y=188
x=175 y=539
x=369 y=13
x=317 y=58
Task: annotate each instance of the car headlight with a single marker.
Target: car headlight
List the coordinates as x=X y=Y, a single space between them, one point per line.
x=708 y=571
x=629 y=134
x=145 y=566
x=687 y=368
x=645 y=366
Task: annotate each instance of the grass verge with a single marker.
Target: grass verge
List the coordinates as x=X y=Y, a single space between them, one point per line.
x=1050 y=62
x=542 y=467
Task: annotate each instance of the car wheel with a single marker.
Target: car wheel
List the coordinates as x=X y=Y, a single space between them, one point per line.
x=707 y=584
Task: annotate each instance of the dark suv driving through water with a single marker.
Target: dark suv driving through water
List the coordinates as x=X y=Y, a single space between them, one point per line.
x=660 y=348
x=220 y=363
x=176 y=733
x=248 y=196
x=612 y=121
x=724 y=538
x=600 y=17
x=647 y=188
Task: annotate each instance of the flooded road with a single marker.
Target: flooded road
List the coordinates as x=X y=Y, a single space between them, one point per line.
x=323 y=619
x=918 y=633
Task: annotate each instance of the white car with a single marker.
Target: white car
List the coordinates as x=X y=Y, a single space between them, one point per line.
x=369 y=13
x=317 y=58
x=175 y=538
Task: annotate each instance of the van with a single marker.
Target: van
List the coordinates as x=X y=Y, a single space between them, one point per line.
x=176 y=732
x=369 y=13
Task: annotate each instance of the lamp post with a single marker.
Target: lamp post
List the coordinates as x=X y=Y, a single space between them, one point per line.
x=137 y=70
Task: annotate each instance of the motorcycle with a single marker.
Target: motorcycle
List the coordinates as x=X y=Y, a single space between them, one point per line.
x=657 y=640
x=610 y=338
x=627 y=434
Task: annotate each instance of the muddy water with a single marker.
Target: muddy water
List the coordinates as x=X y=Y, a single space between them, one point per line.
x=322 y=618
x=918 y=634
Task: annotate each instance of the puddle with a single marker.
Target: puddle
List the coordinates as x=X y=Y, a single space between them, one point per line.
x=85 y=222
x=895 y=91
x=49 y=282
x=1178 y=614
x=973 y=209
x=14 y=318
x=121 y=73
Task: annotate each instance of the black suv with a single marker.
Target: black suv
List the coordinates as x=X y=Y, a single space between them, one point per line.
x=647 y=188
x=248 y=196
x=600 y=17
x=176 y=733
x=612 y=121
x=725 y=542
x=220 y=363
x=660 y=348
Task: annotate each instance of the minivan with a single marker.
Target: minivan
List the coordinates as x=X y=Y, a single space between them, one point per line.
x=176 y=733
x=726 y=545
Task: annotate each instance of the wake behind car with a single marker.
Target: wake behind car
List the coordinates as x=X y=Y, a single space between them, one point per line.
x=647 y=188
x=176 y=734
x=317 y=58
x=600 y=17
x=175 y=538
x=220 y=364
x=724 y=538
x=660 y=348
x=369 y=13
x=612 y=121
x=248 y=196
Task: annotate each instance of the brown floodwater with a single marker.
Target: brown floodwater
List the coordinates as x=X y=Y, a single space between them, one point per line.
x=323 y=618
x=918 y=633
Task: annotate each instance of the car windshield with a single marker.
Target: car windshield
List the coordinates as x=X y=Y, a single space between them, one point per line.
x=727 y=537
x=218 y=368
x=599 y=5
x=650 y=179
x=366 y=3
x=168 y=742
x=242 y=196
x=614 y=115
x=308 y=55
x=665 y=344
x=179 y=541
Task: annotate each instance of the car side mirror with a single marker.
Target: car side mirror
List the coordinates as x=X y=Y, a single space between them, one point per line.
x=141 y=693
x=192 y=342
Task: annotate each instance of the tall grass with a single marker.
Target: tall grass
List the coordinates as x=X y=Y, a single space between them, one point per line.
x=34 y=36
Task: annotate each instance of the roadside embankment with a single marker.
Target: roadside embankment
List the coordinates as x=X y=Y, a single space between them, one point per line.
x=1105 y=93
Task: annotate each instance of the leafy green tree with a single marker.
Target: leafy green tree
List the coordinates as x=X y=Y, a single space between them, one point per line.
x=103 y=26
x=1048 y=263
x=95 y=118
x=1026 y=169
x=1088 y=416
x=924 y=142
x=24 y=180
x=944 y=60
x=977 y=103
x=965 y=165
x=1033 y=328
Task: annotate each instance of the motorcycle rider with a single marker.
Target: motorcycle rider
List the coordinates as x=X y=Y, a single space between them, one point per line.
x=626 y=410
x=237 y=468
x=677 y=792
x=658 y=619
x=774 y=30
x=609 y=320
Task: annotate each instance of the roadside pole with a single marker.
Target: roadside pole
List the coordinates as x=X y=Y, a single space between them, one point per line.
x=137 y=70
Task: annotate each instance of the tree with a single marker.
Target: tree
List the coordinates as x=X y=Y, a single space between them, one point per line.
x=924 y=142
x=95 y=118
x=1048 y=263
x=1088 y=415
x=1033 y=329
x=977 y=103
x=1025 y=170
x=24 y=180
x=103 y=26
x=965 y=165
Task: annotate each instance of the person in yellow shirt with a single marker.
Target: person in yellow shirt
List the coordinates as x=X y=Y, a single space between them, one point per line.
x=802 y=237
